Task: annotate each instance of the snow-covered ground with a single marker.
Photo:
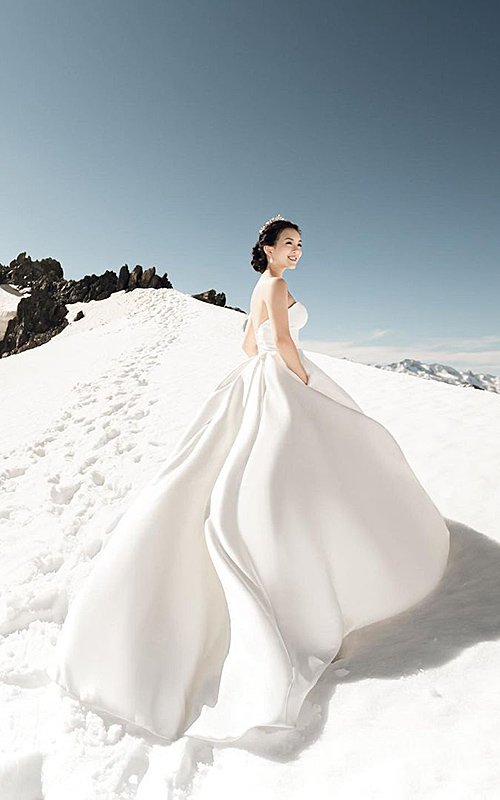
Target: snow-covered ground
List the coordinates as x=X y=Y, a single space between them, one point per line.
x=409 y=710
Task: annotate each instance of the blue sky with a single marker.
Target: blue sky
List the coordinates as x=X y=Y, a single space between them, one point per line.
x=166 y=133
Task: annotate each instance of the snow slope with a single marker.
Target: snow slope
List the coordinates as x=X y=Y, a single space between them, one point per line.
x=409 y=709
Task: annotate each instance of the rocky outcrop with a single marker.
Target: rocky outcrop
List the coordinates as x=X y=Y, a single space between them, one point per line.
x=216 y=298
x=47 y=275
x=9 y=301
x=211 y=296
x=90 y=287
x=24 y=272
x=39 y=317
x=43 y=314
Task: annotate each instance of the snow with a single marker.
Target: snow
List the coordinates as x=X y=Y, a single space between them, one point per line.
x=9 y=300
x=409 y=709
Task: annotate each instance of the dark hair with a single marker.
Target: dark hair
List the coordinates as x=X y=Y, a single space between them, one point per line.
x=268 y=236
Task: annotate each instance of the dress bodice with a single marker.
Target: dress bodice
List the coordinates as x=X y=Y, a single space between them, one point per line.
x=297 y=318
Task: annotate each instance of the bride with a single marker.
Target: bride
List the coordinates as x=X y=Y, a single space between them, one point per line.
x=284 y=518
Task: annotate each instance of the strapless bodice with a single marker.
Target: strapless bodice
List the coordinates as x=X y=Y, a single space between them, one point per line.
x=297 y=318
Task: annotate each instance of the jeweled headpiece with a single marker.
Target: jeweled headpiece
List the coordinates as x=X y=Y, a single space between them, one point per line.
x=266 y=224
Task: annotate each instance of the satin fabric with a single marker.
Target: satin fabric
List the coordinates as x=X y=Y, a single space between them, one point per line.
x=284 y=518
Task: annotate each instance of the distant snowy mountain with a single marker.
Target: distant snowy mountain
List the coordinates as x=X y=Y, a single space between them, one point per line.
x=441 y=372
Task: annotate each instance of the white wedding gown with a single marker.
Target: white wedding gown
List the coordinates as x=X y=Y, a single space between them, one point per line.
x=284 y=518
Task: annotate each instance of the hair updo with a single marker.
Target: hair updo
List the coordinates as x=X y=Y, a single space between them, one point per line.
x=269 y=236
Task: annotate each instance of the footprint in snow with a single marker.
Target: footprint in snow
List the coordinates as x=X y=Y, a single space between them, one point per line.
x=63 y=494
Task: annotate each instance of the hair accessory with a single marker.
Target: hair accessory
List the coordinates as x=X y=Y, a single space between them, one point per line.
x=266 y=224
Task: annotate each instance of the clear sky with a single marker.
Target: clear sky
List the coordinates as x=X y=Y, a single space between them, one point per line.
x=166 y=133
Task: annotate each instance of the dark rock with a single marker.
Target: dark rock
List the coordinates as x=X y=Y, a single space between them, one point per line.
x=23 y=271
x=147 y=277
x=135 y=278
x=211 y=296
x=79 y=315
x=123 y=278
x=156 y=283
x=90 y=287
x=164 y=282
x=216 y=298
x=39 y=317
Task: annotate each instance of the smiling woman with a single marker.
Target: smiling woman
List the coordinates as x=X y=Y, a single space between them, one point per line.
x=279 y=241
x=278 y=248
x=283 y=519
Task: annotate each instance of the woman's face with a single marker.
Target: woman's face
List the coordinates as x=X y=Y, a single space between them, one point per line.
x=287 y=250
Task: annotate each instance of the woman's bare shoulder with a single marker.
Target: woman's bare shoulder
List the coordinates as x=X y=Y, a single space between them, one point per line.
x=268 y=292
x=272 y=286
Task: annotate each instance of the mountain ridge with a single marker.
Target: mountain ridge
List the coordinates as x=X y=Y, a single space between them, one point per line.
x=445 y=373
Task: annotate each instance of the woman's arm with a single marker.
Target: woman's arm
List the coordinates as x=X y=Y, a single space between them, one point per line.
x=277 y=307
x=249 y=344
